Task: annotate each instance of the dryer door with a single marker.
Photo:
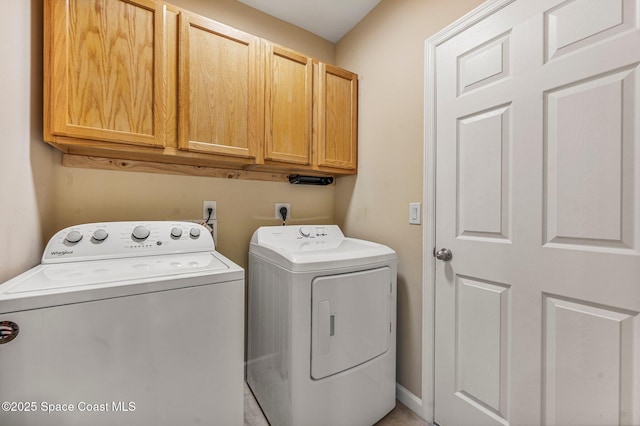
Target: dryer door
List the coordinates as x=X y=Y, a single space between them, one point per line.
x=350 y=320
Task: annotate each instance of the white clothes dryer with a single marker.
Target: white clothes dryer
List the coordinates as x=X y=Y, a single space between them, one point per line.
x=321 y=326
x=124 y=323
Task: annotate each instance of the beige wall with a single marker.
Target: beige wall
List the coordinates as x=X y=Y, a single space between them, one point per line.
x=85 y=195
x=386 y=49
x=26 y=163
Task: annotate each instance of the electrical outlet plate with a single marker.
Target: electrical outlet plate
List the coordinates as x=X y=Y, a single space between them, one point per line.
x=277 y=210
x=205 y=213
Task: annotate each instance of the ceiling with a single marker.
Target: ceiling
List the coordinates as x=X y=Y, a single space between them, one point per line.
x=330 y=19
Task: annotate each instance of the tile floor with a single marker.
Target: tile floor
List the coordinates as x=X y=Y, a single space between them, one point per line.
x=399 y=416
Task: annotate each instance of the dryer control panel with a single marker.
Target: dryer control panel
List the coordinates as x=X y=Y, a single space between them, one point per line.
x=109 y=240
x=314 y=232
x=292 y=236
x=297 y=238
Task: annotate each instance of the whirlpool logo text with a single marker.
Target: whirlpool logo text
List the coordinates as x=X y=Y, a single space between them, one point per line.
x=8 y=331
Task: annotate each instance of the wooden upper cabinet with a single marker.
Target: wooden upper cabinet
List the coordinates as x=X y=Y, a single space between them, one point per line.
x=288 y=105
x=220 y=95
x=336 y=109
x=105 y=75
x=142 y=80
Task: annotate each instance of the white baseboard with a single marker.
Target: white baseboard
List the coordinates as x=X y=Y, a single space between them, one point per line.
x=412 y=402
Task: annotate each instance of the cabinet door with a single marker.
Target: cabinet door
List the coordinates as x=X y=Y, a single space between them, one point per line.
x=288 y=105
x=104 y=71
x=220 y=96
x=336 y=117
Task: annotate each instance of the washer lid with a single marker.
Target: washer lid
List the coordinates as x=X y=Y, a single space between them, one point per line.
x=54 y=284
x=313 y=247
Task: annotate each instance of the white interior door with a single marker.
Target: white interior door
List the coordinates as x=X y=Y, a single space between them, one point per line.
x=537 y=133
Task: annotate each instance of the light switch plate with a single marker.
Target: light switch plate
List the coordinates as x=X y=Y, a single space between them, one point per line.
x=414 y=213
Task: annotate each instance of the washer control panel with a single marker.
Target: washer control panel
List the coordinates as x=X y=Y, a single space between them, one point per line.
x=109 y=240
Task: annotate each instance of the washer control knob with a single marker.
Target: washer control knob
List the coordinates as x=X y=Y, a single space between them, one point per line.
x=305 y=232
x=100 y=235
x=140 y=233
x=176 y=232
x=194 y=232
x=73 y=237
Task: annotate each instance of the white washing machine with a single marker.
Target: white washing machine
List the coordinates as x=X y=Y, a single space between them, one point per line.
x=124 y=323
x=322 y=326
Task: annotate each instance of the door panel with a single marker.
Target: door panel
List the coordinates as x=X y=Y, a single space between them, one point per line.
x=573 y=25
x=485 y=64
x=538 y=198
x=482 y=342
x=585 y=381
x=578 y=119
x=483 y=175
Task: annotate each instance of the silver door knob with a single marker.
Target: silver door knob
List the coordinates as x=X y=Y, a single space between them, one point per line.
x=444 y=254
